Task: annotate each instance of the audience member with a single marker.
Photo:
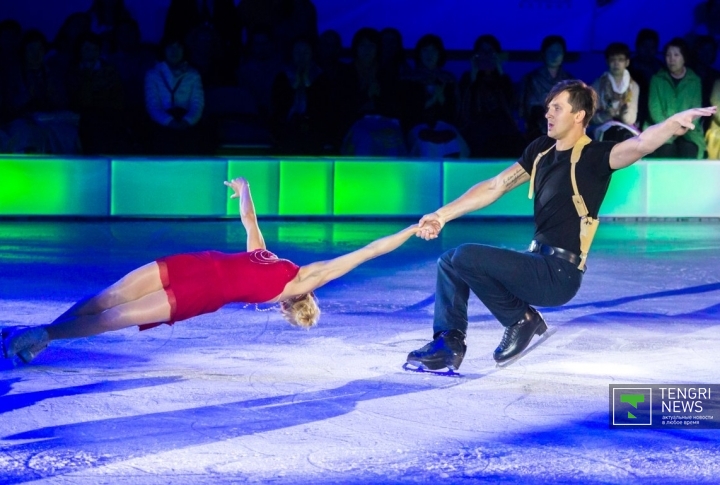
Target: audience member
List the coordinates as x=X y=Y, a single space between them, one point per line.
x=35 y=102
x=63 y=54
x=97 y=95
x=618 y=96
x=183 y=16
x=132 y=60
x=703 y=57
x=10 y=45
x=429 y=86
x=297 y=120
x=393 y=64
x=712 y=135
x=105 y=17
x=538 y=83
x=329 y=51
x=643 y=66
x=287 y=19
x=174 y=99
x=368 y=108
x=205 y=53
x=486 y=97
x=674 y=89
x=259 y=68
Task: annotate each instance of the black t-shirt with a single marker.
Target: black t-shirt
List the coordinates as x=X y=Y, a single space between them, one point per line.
x=556 y=220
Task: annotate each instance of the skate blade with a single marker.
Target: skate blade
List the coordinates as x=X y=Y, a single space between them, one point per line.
x=424 y=370
x=548 y=333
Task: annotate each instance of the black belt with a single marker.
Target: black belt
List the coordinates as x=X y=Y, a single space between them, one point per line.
x=545 y=250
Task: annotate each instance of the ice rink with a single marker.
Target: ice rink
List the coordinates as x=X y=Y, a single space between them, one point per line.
x=240 y=396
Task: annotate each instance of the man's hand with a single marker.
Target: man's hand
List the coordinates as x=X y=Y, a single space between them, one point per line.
x=430 y=226
x=237 y=186
x=685 y=118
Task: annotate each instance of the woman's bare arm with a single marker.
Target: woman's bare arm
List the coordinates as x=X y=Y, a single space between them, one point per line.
x=241 y=189
x=317 y=274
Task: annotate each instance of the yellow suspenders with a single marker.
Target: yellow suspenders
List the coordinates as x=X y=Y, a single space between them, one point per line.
x=588 y=225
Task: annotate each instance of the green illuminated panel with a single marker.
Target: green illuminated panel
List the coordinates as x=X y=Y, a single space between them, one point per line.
x=683 y=189
x=460 y=176
x=306 y=187
x=165 y=187
x=168 y=187
x=54 y=186
x=627 y=195
x=319 y=234
x=387 y=187
x=264 y=177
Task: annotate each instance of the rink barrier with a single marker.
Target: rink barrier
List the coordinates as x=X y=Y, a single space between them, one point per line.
x=318 y=186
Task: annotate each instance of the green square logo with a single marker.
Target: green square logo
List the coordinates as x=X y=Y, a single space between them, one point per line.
x=631 y=406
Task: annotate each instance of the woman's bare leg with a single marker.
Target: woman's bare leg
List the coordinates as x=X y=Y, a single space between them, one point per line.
x=150 y=308
x=136 y=284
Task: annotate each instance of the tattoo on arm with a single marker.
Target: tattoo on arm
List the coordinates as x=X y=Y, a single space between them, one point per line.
x=515 y=178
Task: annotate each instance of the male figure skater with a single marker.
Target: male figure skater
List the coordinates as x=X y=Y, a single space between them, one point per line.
x=570 y=175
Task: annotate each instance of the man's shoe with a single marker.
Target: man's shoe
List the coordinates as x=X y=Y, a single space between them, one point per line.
x=447 y=350
x=518 y=335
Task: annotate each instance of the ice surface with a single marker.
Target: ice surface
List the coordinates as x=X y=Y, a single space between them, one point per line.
x=239 y=396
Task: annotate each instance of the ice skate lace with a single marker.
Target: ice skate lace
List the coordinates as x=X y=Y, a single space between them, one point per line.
x=509 y=335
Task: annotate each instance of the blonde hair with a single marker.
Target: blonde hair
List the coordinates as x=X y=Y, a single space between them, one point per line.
x=302 y=310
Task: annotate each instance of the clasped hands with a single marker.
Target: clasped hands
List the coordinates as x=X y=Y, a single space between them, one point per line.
x=429 y=226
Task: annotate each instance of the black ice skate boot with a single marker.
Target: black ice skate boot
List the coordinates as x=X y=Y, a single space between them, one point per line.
x=518 y=335
x=24 y=342
x=447 y=350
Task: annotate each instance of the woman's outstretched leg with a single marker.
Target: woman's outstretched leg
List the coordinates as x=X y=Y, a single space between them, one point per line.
x=136 y=284
x=29 y=342
x=151 y=308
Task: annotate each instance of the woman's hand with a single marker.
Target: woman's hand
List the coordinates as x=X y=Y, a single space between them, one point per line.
x=237 y=184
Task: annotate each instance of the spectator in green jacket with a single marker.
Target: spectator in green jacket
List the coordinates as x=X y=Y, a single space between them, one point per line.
x=673 y=90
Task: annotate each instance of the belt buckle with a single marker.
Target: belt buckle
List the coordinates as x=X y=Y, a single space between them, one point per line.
x=534 y=246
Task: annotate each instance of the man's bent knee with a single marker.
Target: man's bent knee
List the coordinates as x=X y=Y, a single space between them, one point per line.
x=445 y=258
x=469 y=257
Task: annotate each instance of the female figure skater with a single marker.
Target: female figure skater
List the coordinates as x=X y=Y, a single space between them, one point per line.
x=182 y=286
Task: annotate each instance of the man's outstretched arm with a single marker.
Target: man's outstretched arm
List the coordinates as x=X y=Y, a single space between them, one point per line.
x=630 y=151
x=478 y=196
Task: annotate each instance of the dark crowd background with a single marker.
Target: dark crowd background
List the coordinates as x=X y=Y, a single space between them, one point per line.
x=257 y=77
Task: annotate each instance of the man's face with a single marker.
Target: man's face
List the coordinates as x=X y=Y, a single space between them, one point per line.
x=617 y=64
x=560 y=117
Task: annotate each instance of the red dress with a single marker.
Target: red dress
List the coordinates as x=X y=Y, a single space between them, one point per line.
x=197 y=283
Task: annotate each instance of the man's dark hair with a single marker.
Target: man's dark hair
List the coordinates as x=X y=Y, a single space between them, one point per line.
x=617 y=49
x=580 y=96
x=680 y=43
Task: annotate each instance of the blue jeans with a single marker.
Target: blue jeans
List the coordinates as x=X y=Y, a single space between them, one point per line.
x=506 y=281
